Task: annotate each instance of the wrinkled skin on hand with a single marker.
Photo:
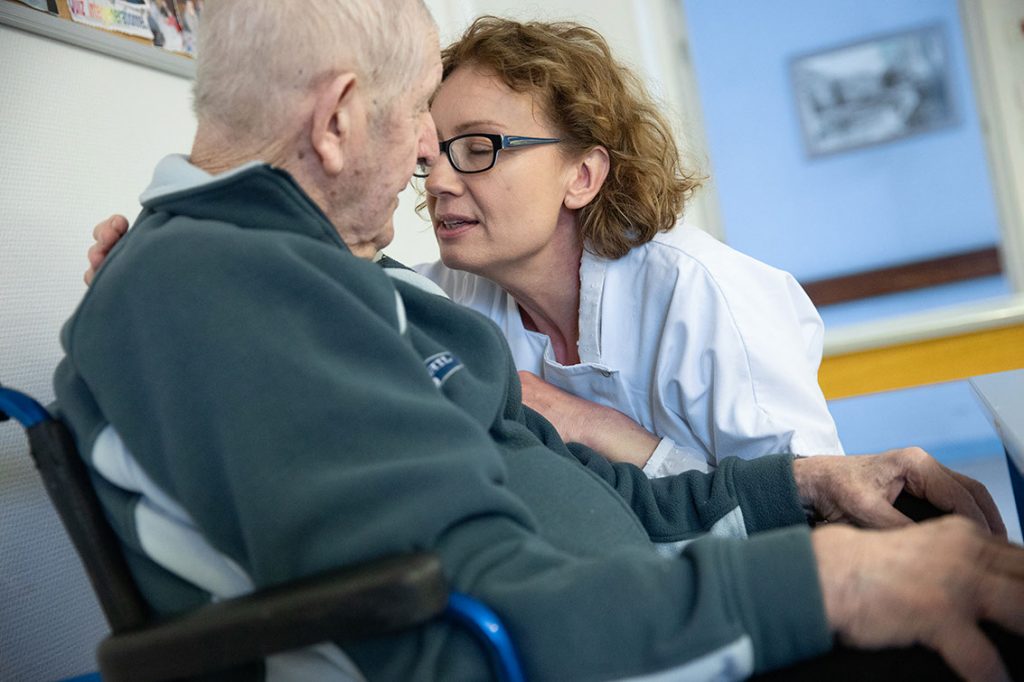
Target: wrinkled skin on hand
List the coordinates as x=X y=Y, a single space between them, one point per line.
x=929 y=584
x=860 y=489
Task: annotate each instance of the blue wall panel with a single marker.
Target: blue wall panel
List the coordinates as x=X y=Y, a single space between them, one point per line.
x=916 y=197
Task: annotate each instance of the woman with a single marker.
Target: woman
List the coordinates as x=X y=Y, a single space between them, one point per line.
x=568 y=246
x=554 y=203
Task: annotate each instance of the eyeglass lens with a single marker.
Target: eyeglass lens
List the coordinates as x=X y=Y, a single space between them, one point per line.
x=472 y=153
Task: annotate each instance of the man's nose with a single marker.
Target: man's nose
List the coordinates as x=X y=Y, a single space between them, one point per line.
x=430 y=146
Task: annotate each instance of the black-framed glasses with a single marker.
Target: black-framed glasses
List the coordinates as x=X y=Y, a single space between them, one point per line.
x=478 y=152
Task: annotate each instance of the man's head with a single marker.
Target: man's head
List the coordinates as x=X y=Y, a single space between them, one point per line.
x=334 y=91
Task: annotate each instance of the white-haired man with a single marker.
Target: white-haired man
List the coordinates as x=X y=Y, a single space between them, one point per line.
x=278 y=405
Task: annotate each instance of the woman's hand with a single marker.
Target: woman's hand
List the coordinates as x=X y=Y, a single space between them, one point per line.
x=106 y=233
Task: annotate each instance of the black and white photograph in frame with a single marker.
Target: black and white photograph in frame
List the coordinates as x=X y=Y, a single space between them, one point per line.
x=873 y=91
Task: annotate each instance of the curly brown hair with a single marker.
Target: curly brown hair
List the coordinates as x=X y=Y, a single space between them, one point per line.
x=594 y=101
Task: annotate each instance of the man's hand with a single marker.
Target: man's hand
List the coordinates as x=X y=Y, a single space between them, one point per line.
x=106 y=233
x=577 y=420
x=928 y=584
x=860 y=489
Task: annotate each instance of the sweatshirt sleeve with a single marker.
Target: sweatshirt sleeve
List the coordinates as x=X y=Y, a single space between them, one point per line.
x=757 y=495
x=281 y=404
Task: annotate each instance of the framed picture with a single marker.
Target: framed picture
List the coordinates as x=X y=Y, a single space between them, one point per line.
x=873 y=91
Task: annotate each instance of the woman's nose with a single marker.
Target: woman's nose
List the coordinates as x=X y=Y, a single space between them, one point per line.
x=443 y=178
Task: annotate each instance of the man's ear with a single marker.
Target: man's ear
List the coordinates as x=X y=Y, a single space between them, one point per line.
x=337 y=110
x=590 y=173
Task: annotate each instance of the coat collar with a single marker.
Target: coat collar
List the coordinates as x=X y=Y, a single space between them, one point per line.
x=255 y=195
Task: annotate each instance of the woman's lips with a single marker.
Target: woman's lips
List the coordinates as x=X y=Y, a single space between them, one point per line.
x=453 y=227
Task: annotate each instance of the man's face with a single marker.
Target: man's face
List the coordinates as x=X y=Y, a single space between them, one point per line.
x=397 y=135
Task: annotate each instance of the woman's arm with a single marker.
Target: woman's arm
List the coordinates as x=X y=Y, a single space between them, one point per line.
x=578 y=420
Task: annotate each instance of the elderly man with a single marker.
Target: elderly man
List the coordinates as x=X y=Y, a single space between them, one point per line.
x=260 y=402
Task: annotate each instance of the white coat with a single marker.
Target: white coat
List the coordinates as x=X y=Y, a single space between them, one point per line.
x=711 y=350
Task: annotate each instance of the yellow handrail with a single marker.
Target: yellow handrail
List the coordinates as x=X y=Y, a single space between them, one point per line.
x=922 y=362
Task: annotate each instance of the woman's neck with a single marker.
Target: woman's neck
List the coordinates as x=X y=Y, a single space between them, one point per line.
x=547 y=291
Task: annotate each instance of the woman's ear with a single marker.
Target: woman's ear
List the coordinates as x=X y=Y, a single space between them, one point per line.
x=337 y=109
x=591 y=170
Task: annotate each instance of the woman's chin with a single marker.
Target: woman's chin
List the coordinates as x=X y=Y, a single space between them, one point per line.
x=456 y=259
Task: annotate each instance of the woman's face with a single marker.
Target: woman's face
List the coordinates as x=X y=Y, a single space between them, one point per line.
x=496 y=222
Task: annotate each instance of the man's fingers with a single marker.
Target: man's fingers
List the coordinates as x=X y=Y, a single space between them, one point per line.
x=1008 y=560
x=877 y=513
x=931 y=481
x=984 y=501
x=1001 y=595
x=970 y=653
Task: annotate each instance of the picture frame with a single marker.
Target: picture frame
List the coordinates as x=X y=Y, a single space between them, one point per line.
x=60 y=24
x=873 y=91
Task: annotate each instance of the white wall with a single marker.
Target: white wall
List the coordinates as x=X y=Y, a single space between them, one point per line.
x=79 y=134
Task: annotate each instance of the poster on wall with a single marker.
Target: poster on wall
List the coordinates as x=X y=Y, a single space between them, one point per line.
x=123 y=16
x=163 y=21
x=873 y=91
x=187 y=13
x=170 y=24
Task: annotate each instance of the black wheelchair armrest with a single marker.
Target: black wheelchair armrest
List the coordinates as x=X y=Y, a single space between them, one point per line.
x=374 y=598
